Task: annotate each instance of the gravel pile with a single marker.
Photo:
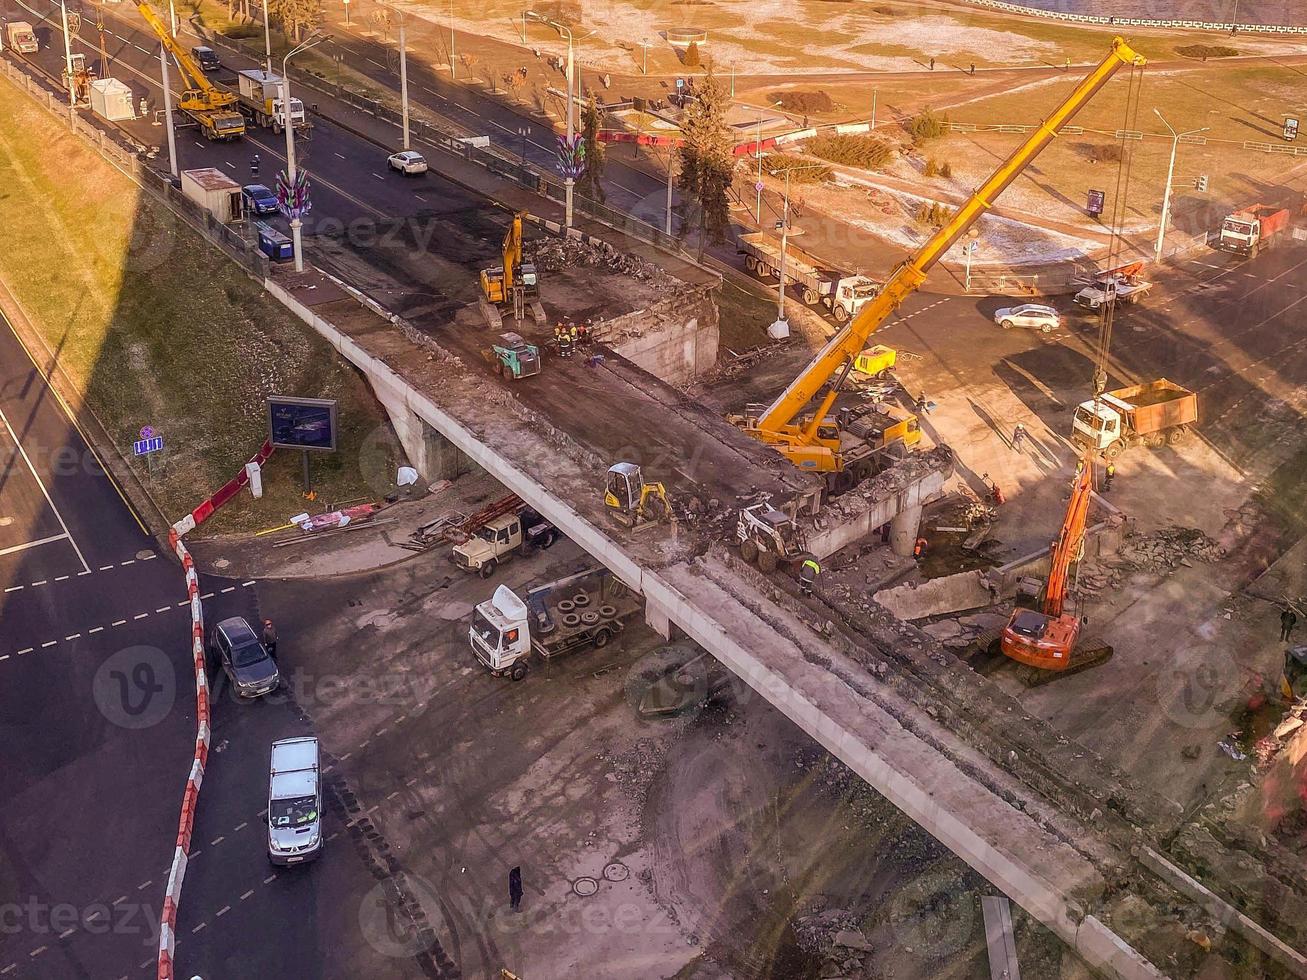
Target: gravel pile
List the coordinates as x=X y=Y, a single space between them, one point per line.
x=553 y=254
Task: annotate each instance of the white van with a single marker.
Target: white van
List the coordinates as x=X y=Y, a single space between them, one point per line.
x=294 y=802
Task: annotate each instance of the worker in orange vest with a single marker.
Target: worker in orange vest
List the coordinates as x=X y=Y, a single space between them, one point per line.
x=919 y=549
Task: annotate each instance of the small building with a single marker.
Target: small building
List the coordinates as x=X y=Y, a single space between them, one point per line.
x=683 y=37
x=112 y=100
x=214 y=191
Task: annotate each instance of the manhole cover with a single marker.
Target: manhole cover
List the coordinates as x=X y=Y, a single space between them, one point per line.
x=617 y=871
x=221 y=563
x=144 y=554
x=6 y=521
x=585 y=887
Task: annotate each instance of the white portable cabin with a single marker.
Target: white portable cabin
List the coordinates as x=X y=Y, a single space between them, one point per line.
x=214 y=191
x=112 y=100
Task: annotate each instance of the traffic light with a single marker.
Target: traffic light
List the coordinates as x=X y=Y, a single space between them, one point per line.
x=1202 y=183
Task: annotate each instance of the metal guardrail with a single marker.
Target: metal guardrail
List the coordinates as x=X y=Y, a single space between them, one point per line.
x=1199 y=25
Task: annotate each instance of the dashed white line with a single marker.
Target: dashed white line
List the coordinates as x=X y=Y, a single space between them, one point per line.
x=226 y=908
x=198 y=928
x=207 y=595
x=163 y=609
x=118 y=622
x=419 y=196
x=66 y=933
x=249 y=583
x=48 y=643
x=37 y=952
x=9 y=969
x=61 y=578
x=35 y=584
x=140 y=615
x=95 y=629
x=218 y=840
x=341 y=155
x=270 y=877
x=14 y=588
x=144 y=885
x=87 y=572
x=231 y=588
x=132 y=561
x=378 y=176
x=119 y=899
x=247 y=894
x=240 y=826
x=105 y=568
x=73 y=636
x=150 y=557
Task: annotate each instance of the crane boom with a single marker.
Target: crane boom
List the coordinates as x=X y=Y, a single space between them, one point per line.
x=212 y=106
x=776 y=424
x=194 y=74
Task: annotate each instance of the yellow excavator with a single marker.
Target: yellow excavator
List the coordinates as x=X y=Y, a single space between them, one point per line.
x=818 y=441
x=214 y=108
x=631 y=501
x=512 y=281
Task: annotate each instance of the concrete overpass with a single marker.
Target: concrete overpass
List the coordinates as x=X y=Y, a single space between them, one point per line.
x=1055 y=866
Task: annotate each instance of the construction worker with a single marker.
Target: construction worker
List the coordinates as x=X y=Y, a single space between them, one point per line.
x=1108 y=476
x=564 y=342
x=919 y=549
x=1018 y=437
x=1288 y=620
x=254 y=166
x=808 y=573
x=923 y=405
x=145 y=107
x=574 y=336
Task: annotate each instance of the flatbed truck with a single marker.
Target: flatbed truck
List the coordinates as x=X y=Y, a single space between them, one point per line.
x=259 y=93
x=582 y=611
x=841 y=293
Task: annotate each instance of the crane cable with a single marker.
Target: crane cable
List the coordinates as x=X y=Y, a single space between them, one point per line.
x=1118 y=241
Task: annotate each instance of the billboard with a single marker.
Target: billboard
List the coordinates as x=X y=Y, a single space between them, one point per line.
x=302 y=423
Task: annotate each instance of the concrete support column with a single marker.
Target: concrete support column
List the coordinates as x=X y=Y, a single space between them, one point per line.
x=903 y=530
x=657 y=617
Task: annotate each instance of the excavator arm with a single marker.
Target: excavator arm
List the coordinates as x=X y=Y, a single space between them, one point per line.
x=776 y=424
x=512 y=252
x=1070 y=541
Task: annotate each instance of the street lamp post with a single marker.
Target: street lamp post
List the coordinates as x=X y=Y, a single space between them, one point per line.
x=295 y=223
x=403 y=75
x=874 y=94
x=267 y=35
x=1170 y=173
x=565 y=31
x=671 y=166
x=757 y=150
x=452 y=75
x=167 y=109
x=781 y=328
x=523 y=131
x=68 y=63
x=644 y=46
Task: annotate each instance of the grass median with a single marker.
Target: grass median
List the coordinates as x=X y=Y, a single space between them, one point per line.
x=157 y=327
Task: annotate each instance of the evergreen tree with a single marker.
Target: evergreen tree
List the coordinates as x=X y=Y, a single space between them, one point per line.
x=707 y=162
x=590 y=183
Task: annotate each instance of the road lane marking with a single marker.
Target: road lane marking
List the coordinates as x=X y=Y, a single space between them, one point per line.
x=341 y=155
x=105 y=568
x=240 y=826
x=247 y=894
x=198 y=928
x=248 y=584
x=378 y=176
x=73 y=636
x=38 y=951
x=118 y=622
x=129 y=561
x=33 y=544
x=144 y=885
x=61 y=578
x=95 y=629
x=42 y=582
x=5 y=657
x=419 y=196
x=66 y=933
x=222 y=911
x=163 y=609
x=14 y=588
x=230 y=588
x=270 y=877
x=41 y=483
x=140 y=615
x=218 y=840
x=48 y=643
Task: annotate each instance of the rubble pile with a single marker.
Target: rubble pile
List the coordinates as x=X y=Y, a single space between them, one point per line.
x=553 y=254
x=834 y=936
x=1161 y=551
x=635 y=769
x=958 y=634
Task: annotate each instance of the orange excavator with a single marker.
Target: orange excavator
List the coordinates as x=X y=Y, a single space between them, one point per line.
x=1047 y=638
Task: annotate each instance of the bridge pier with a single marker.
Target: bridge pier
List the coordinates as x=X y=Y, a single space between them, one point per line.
x=903 y=530
x=428 y=451
x=658 y=618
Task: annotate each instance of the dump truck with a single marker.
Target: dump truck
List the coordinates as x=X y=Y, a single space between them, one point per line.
x=1153 y=414
x=582 y=611
x=820 y=285
x=259 y=92
x=1125 y=284
x=520 y=532
x=20 y=37
x=1251 y=229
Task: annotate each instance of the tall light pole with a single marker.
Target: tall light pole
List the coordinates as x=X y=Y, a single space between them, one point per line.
x=757 y=150
x=68 y=64
x=671 y=166
x=452 y=75
x=295 y=223
x=874 y=94
x=644 y=45
x=566 y=32
x=1170 y=172
x=267 y=36
x=403 y=75
x=781 y=328
x=167 y=109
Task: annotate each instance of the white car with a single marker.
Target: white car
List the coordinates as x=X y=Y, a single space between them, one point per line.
x=1032 y=315
x=407 y=162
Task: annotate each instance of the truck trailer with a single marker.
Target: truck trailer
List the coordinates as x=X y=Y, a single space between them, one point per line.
x=259 y=92
x=214 y=191
x=1153 y=414
x=839 y=292
x=582 y=611
x=1251 y=229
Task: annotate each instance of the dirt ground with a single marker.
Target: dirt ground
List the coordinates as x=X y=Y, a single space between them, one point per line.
x=718 y=843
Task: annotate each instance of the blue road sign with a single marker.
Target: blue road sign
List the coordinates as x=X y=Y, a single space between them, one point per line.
x=143 y=447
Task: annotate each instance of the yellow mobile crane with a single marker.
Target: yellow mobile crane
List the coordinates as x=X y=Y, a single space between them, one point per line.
x=212 y=107
x=814 y=442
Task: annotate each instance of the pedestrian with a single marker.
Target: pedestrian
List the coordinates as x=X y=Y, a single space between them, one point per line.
x=1288 y=620
x=932 y=64
x=1068 y=64
x=270 y=638
x=145 y=107
x=884 y=533
x=254 y=166
x=515 y=889
x=1018 y=437
x=923 y=405
x=919 y=549
x=808 y=573
x=973 y=68
x=1108 y=476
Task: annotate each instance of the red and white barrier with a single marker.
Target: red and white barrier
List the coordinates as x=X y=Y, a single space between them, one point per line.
x=191 y=798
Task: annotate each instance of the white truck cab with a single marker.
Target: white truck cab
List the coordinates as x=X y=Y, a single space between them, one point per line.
x=294 y=802
x=501 y=633
x=1098 y=424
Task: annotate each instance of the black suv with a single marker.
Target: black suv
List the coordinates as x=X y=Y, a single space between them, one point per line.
x=207 y=57
x=244 y=660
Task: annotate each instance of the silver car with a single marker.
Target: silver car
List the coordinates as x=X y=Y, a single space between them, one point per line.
x=407 y=162
x=1031 y=315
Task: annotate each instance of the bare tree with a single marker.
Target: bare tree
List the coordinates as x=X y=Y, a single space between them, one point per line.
x=296 y=16
x=382 y=19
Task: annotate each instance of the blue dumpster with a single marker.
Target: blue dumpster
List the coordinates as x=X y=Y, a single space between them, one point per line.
x=274 y=244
